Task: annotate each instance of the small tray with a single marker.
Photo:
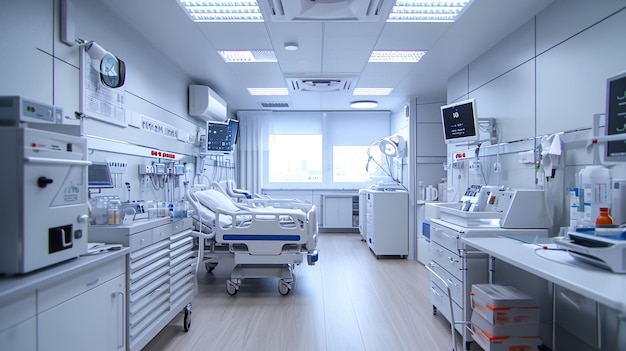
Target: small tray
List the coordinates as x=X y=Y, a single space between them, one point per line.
x=451 y=213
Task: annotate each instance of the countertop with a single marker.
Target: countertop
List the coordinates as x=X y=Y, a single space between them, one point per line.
x=558 y=266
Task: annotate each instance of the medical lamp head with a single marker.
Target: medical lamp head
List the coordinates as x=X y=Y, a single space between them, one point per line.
x=393 y=146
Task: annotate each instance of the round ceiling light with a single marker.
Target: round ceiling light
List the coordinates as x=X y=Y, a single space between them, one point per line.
x=364 y=104
x=291 y=46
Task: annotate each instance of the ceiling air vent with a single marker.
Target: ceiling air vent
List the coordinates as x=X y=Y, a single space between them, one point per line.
x=320 y=84
x=274 y=104
x=322 y=10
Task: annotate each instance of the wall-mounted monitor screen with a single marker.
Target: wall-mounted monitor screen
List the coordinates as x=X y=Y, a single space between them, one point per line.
x=221 y=137
x=616 y=116
x=459 y=122
x=234 y=129
x=99 y=176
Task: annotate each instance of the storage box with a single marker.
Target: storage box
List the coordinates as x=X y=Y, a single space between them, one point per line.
x=504 y=330
x=504 y=343
x=504 y=305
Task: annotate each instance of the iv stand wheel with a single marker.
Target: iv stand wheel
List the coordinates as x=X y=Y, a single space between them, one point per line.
x=283 y=287
x=231 y=288
x=187 y=318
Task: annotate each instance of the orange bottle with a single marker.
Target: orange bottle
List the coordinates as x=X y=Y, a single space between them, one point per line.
x=604 y=218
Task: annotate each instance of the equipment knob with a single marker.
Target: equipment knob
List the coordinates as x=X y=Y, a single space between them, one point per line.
x=83 y=218
x=43 y=182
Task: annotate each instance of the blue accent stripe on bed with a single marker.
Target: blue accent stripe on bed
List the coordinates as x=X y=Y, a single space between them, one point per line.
x=262 y=237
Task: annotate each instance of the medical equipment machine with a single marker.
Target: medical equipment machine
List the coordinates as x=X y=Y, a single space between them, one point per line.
x=15 y=109
x=487 y=206
x=608 y=252
x=264 y=241
x=45 y=217
x=387 y=218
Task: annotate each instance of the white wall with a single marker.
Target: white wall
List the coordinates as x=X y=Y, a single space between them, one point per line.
x=548 y=76
x=37 y=65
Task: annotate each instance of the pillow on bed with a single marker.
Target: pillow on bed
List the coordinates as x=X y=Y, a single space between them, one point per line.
x=206 y=216
x=214 y=199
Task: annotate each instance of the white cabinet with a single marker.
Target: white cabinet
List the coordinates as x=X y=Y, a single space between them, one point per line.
x=21 y=336
x=387 y=222
x=460 y=266
x=340 y=211
x=160 y=274
x=75 y=305
x=94 y=320
x=449 y=260
x=18 y=323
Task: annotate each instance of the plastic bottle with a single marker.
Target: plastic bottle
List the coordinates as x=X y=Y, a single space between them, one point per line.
x=595 y=182
x=164 y=209
x=114 y=212
x=604 y=218
x=442 y=189
x=421 y=195
x=100 y=211
x=152 y=210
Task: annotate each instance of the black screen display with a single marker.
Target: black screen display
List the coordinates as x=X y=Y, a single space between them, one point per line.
x=221 y=136
x=458 y=121
x=616 y=115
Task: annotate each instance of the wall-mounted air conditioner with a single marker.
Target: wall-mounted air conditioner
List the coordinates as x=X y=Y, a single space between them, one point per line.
x=205 y=104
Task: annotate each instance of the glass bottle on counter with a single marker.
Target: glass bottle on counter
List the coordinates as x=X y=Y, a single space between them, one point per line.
x=604 y=218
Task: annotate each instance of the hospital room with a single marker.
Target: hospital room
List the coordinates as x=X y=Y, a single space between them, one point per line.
x=313 y=175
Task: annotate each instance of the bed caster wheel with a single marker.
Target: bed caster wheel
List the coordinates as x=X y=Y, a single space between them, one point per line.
x=284 y=288
x=232 y=288
x=187 y=319
x=210 y=266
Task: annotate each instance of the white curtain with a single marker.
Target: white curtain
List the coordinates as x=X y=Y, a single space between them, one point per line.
x=250 y=162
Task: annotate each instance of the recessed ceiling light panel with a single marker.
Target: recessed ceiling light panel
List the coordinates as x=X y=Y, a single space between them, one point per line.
x=372 y=91
x=268 y=91
x=426 y=11
x=396 y=56
x=222 y=11
x=248 y=55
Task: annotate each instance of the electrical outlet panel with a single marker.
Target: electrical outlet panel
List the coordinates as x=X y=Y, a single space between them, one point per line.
x=160 y=169
x=475 y=166
x=146 y=169
x=179 y=169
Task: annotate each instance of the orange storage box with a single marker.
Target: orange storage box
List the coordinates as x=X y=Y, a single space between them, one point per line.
x=504 y=343
x=504 y=305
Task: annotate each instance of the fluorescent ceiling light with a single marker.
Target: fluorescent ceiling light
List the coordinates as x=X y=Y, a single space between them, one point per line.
x=396 y=56
x=248 y=55
x=372 y=91
x=364 y=104
x=268 y=91
x=222 y=11
x=426 y=11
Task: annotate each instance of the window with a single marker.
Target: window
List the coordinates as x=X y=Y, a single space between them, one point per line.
x=319 y=149
x=349 y=164
x=295 y=158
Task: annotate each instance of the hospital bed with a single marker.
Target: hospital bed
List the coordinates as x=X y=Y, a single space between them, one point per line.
x=265 y=241
x=249 y=199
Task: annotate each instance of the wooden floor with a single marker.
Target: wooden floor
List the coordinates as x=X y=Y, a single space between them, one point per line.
x=349 y=300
